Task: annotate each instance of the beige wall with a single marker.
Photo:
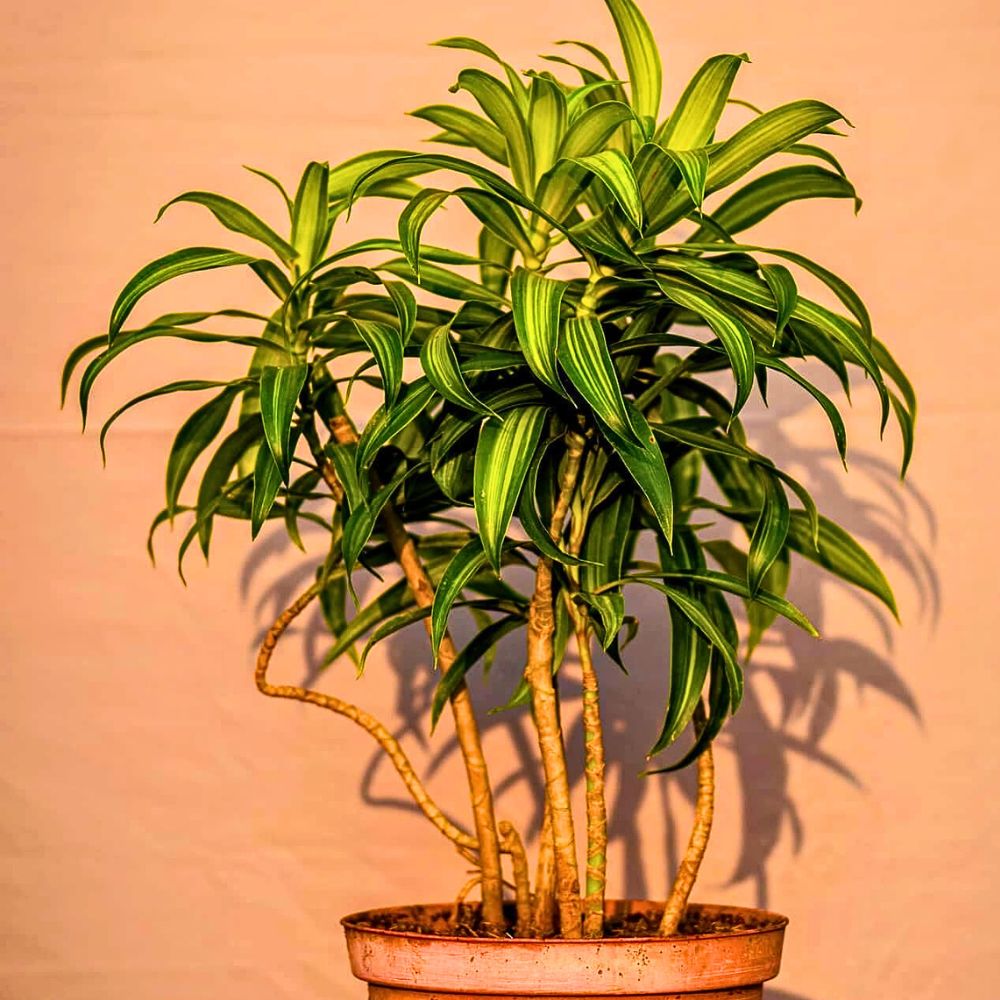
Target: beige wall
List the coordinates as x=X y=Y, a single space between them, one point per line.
x=166 y=832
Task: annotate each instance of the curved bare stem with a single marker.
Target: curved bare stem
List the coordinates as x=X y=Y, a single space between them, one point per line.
x=704 y=810
x=462 y=840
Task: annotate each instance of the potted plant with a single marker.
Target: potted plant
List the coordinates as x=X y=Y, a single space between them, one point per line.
x=559 y=404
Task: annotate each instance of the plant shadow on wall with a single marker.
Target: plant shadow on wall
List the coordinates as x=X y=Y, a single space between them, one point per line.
x=796 y=687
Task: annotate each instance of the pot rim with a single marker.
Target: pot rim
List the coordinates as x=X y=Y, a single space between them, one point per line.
x=776 y=922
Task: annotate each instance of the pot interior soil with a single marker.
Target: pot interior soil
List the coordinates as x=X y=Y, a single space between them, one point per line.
x=465 y=921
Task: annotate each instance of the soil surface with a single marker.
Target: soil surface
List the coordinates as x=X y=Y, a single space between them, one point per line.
x=447 y=922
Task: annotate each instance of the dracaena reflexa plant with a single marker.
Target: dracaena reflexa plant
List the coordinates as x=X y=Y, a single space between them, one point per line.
x=580 y=392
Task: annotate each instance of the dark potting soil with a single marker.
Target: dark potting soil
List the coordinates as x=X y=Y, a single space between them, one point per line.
x=446 y=922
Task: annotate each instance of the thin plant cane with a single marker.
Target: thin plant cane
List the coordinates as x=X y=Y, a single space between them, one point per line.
x=388 y=743
x=593 y=753
x=543 y=902
x=538 y=672
x=694 y=853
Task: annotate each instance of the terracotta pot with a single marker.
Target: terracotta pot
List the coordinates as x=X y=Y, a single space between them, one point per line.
x=400 y=965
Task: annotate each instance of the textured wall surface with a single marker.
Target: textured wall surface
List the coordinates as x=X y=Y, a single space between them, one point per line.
x=168 y=833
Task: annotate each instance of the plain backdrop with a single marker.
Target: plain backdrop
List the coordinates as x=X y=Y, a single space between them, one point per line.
x=168 y=833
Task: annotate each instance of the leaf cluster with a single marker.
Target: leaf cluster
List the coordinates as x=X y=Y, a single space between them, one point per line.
x=612 y=303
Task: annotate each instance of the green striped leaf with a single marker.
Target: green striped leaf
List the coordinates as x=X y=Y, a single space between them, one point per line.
x=360 y=525
x=818 y=153
x=498 y=259
x=562 y=186
x=584 y=356
x=514 y=81
x=693 y=167
x=195 y=435
x=695 y=613
x=679 y=431
x=642 y=58
x=615 y=172
x=891 y=367
x=468 y=561
x=765 y=135
x=769 y=534
x=536 y=302
x=692 y=122
x=499 y=217
x=906 y=427
x=441 y=281
x=827 y=404
x=236 y=218
x=836 y=284
x=345 y=463
x=391 y=165
x=186 y=385
x=755 y=291
x=390 y=627
x=547 y=121
x=406 y=308
x=786 y=293
x=129 y=339
x=173 y=265
x=478 y=647
x=476 y=131
x=658 y=178
x=690 y=654
x=607 y=545
x=311 y=215
x=386 y=424
x=762 y=137
x=606 y=542
x=412 y=220
x=645 y=465
x=390 y=602
x=732 y=584
x=386 y=345
x=719 y=705
x=501 y=107
x=594 y=51
x=74 y=359
x=803 y=495
x=503 y=455
x=280 y=388
x=904 y=406
x=839 y=553
x=591 y=131
x=766 y=194
x=732 y=334
x=275 y=183
x=266 y=483
x=215 y=482
x=440 y=365
x=759 y=616
x=527 y=513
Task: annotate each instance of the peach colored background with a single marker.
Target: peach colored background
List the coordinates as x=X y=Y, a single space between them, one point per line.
x=168 y=833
